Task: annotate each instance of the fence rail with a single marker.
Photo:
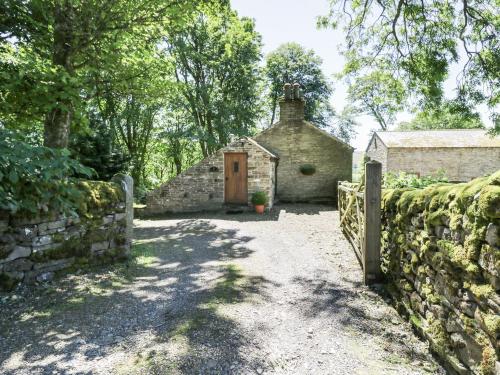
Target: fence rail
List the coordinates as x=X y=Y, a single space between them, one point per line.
x=359 y=209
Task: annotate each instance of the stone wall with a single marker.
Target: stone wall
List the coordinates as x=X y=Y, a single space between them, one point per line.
x=297 y=143
x=441 y=255
x=459 y=164
x=201 y=187
x=33 y=247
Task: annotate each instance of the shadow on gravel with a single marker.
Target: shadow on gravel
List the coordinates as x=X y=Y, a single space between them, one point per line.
x=247 y=215
x=78 y=319
x=358 y=308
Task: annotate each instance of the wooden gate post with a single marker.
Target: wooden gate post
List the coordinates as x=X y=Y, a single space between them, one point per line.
x=372 y=225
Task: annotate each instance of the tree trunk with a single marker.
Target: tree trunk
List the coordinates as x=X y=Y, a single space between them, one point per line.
x=58 y=120
x=273 y=109
x=178 y=164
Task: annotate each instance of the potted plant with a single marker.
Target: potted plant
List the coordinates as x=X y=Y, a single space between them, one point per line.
x=259 y=200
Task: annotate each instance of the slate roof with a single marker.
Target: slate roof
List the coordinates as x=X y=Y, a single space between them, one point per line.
x=453 y=138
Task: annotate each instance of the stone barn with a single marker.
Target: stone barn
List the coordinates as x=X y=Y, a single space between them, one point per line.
x=462 y=154
x=292 y=161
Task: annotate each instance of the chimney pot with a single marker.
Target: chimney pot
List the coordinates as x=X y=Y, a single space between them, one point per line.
x=292 y=105
x=296 y=91
x=288 y=91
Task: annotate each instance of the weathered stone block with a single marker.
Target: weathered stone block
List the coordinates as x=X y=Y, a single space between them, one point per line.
x=99 y=246
x=56 y=224
x=120 y=216
x=53 y=265
x=42 y=248
x=20 y=264
x=42 y=240
x=18 y=252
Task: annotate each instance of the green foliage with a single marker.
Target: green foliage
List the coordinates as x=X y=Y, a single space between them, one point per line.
x=97 y=149
x=453 y=114
x=36 y=178
x=378 y=94
x=307 y=169
x=417 y=43
x=216 y=56
x=408 y=180
x=291 y=63
x=55 y=54
x=259 y=198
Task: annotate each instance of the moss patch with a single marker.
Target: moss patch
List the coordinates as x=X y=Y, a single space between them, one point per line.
x=99 y=196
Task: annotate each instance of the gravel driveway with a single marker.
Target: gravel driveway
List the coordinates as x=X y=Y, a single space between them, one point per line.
x=215 y=294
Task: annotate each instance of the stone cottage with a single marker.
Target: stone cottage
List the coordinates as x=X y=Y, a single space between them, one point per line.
x=462 y=154
x=292 y=161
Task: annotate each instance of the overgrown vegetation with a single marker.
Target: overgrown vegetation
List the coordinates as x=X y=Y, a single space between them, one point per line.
x=409 y=180
x=37 y=178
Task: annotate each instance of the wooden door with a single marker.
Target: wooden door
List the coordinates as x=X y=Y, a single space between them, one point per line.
x=235 y=173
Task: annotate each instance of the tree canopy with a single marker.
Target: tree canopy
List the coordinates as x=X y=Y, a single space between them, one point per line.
x=292 y=63
x=418 y=43
x=452 y=114
x=147 y=86
x=55 y=51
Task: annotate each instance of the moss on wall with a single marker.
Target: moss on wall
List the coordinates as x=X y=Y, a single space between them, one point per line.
x=36 y=247
x=436 y=254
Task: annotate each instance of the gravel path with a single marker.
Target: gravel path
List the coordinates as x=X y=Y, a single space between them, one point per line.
x=215 y=294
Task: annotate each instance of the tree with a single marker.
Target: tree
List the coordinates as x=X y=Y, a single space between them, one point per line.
x=216 y=66
x=291 y=63
x=420 y=41
x=98 y=149
x=377 y=94
x=64 y=41
x=345 y=125
x=453 y=114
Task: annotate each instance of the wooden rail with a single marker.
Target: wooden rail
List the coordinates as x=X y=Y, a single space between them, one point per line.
x=351 y=206
x=359 y=210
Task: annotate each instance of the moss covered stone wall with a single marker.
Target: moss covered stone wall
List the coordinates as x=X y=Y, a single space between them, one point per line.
x=441 y=255
x=34 y=247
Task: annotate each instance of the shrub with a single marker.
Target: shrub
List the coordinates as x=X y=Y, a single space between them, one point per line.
x=34 y=178
x=408 y=180
x=259 y=198
x=307 y=169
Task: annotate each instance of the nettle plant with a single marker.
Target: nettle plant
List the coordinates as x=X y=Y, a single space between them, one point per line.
x=37 y=178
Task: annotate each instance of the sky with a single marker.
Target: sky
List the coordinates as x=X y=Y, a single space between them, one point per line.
x=282 y=21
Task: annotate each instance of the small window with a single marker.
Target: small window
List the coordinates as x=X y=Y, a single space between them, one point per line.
x=236 y=167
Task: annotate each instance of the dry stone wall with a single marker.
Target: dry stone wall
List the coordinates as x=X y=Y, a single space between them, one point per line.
x=441 y=255
x=201 y=187
x=34 y=247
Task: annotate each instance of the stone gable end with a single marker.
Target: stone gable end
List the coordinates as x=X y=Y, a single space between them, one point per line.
x=298 y=143
x=201 y=187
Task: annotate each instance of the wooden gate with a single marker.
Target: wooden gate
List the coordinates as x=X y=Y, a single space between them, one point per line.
x=359 y=209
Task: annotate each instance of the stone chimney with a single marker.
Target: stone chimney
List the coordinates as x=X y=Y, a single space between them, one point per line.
x=292 y=103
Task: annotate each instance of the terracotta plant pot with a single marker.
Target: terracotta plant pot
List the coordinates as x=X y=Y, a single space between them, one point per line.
x=259 y=208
